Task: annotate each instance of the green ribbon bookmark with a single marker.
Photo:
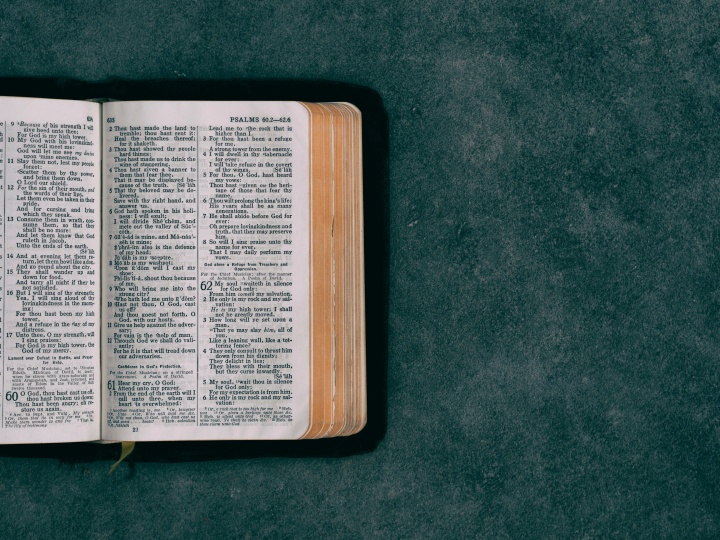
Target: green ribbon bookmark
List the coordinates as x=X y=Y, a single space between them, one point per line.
x=126 y=449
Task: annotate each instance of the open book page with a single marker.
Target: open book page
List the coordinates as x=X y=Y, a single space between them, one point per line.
x=206 y=270
x=50 y=270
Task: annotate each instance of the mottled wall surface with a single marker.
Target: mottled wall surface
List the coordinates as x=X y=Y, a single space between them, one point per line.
x=548 y=323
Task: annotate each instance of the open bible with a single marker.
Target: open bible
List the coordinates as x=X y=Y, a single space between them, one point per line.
x=180 y=270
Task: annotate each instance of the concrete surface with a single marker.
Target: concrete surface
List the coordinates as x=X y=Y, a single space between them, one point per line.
x=544 y=272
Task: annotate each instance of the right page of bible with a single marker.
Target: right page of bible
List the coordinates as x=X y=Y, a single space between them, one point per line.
x=205 y=270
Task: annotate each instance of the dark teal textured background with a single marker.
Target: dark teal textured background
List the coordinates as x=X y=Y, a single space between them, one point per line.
x=550 y=235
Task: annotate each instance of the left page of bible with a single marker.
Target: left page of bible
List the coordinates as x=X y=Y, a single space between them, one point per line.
x=50 y=193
